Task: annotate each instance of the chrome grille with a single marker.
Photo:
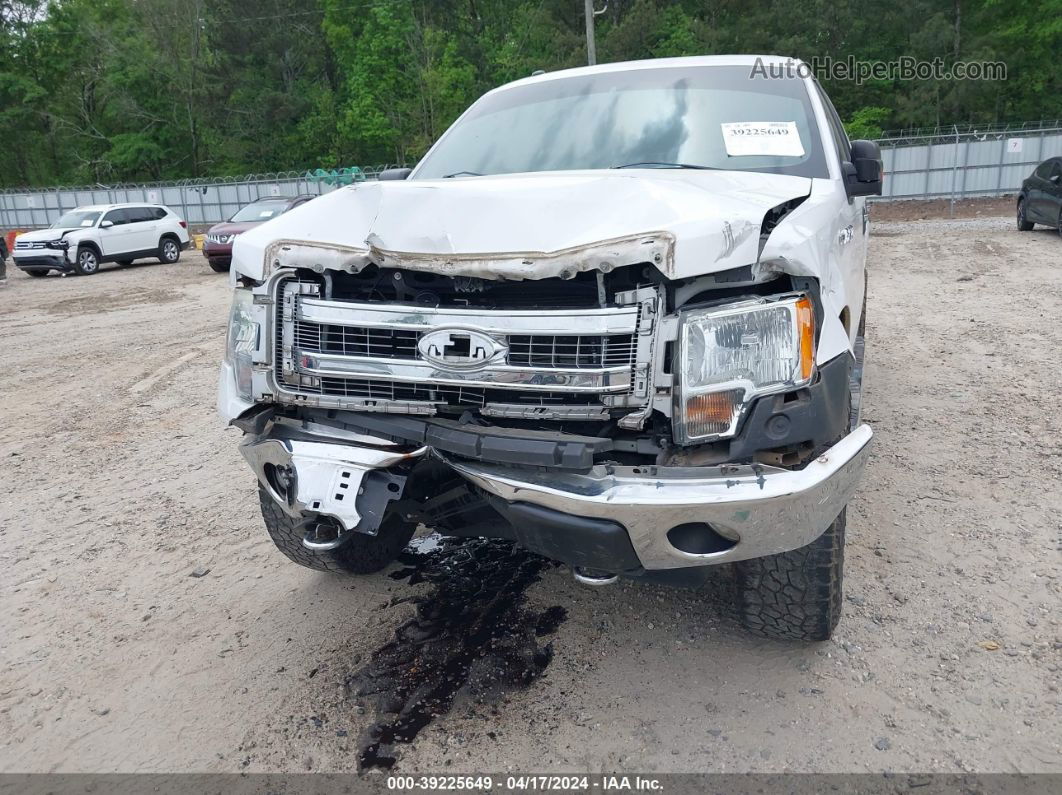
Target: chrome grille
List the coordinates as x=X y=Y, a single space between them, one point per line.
x=571 y=352
x=377 y=343
x=369 y=355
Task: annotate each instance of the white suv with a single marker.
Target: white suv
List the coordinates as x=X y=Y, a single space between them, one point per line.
x=85 y=238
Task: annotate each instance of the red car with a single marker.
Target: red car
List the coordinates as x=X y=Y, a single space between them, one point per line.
x=217 y=247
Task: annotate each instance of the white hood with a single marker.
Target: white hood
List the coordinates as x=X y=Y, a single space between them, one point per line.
x=529 y=225
x=47 y=234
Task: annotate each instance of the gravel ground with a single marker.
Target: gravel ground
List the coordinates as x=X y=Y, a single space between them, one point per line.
x=120 y=486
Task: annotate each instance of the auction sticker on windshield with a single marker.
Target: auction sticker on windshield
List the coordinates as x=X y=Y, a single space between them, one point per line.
x=778 y=138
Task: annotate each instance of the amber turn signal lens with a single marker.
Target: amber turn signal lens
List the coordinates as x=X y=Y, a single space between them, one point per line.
x=806 y=328
x=712 y=413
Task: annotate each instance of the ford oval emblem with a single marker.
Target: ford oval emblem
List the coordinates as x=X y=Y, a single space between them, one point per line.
x=460 y=349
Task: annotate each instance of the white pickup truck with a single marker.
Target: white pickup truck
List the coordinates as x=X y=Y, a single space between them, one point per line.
x=615 y=314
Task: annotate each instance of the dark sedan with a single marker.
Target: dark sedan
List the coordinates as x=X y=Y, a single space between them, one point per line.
x=217 y=247
x=1040 y=199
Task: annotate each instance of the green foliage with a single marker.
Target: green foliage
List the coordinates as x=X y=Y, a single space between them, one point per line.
x=866 y=123
x=111 y=90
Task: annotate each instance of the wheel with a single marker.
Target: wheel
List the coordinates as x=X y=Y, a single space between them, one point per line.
x=88 y=261
x=218 y=266
x=1023 y=225
x=125 y=262
x=37 y=274
x=169 y=250
x=361 y=554
x=795 y=595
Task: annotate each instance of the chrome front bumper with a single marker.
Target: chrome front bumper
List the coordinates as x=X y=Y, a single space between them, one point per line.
x=758 y=510
x=764 y=510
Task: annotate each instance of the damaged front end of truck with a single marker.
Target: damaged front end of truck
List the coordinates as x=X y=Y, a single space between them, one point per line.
x=637 y=374
x=548 y=396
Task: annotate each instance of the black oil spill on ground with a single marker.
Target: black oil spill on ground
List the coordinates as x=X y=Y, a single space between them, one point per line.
x=472 y=636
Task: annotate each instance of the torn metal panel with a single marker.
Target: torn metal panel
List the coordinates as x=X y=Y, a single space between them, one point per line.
x=318 y=477
x=316 y=256
x=652 y=247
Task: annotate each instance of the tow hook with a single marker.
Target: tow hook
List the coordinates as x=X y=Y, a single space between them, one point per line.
x=323 y=534
x=593 y=577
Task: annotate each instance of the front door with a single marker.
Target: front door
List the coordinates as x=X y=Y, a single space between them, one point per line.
x=1052 y=193
x=118 y=238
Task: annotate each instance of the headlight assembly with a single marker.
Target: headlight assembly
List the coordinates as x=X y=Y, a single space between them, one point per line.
x=242 y=341
x=728 y=355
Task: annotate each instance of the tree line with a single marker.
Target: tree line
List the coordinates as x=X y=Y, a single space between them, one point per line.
x=102 y=91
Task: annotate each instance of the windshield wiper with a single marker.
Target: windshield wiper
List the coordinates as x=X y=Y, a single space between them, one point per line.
x=462 y=174
x=659 y=164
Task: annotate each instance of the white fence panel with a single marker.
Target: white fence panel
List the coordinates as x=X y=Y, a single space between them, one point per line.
x=970 y=164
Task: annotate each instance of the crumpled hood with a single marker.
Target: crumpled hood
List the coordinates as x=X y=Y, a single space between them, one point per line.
x=48 y=234
x=530 y=225
x=232 y=227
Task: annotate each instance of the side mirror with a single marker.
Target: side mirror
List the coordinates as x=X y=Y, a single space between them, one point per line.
x=394 y=173
x=106 y=224
x=863 y=174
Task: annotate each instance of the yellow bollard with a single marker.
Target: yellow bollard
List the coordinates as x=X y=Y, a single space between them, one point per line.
x=198 y=239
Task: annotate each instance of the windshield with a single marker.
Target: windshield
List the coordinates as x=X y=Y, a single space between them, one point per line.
x=717 y=117
x=76 y=218
x=259 y=211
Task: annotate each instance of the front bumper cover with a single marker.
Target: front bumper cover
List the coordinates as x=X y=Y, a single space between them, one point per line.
x=42 y=262
x=758 y=510
x=763 y=510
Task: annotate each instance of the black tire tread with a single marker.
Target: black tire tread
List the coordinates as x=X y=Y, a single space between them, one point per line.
x=361 y=554
x=1024 y=226
x=794 y=595
x=217 y=267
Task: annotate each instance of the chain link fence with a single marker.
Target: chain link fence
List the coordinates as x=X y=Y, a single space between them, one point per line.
x=966 y=162
x=955 y=163
x=203 y=201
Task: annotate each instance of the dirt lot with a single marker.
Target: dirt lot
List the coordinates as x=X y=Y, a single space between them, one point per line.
x=119 y=482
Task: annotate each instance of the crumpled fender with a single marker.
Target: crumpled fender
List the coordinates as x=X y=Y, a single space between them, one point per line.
x=803 y=244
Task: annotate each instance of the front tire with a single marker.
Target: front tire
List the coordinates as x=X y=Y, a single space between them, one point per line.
x=795 y=595
x=1023 y=224
x=218 y=267
x=169 y=250
x=88 y=261
x=361 y=554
